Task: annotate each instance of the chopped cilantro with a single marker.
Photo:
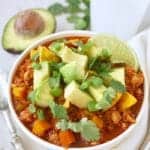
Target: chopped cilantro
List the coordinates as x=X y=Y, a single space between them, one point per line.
x=56 y=8
x=96 y=81
x=118 y=86
x=92 y=81
x=32 y=108
x=55 y=46
x=31 y=96
x=86 y=128
x=40 y=114
x=109 y=94
x=57 y=110
x=36 y=66
x=56 y=91
x=84 y=85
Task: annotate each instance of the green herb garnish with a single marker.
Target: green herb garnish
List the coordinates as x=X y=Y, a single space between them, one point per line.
x=56 y=91
x=92 y=81
x=32 y=108
x=36 y=66
x=31 y=96
x=57 y=110
x=40 y=114
x=118 y=86
x=56 y=46
x=78 y=12
x=88 y=129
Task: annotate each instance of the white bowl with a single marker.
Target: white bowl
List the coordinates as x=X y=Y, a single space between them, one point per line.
x=45 y=144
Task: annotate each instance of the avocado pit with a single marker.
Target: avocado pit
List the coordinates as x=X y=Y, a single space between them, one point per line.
x=29 y=23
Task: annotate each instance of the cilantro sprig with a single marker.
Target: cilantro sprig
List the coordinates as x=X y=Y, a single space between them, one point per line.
x=92 y=81
x=78 y=12
x=57 y=110
x=88 y=129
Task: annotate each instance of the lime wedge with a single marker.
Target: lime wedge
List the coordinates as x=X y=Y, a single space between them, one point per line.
x=121 y=52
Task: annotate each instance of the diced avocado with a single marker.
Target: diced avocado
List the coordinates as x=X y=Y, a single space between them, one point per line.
x=72 y=71
x=97 y=93
x=43 y=94
x=76 y=96
x=40 y=74
x=26 y=27
x=67 y=56
x=119 y=74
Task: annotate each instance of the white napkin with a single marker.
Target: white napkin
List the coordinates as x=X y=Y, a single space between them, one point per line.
x=118 y=17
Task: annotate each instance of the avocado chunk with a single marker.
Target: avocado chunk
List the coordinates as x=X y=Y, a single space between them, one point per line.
x=67 y=56
x=97 y=93
x=72 y=71
x=75 y=96
x=43 y=94
x=40 y=74
x=26 y=27
x=119 y=74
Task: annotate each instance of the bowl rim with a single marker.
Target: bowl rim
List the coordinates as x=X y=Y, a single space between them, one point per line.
x=46 y=144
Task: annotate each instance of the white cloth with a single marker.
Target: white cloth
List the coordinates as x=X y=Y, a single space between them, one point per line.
x=121 y=18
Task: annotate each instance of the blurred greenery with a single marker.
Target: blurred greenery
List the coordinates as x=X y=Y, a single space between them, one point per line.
x=78 y=12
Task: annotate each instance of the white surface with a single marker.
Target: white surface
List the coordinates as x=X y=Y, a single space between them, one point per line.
x=8 y=9
x=118 y=17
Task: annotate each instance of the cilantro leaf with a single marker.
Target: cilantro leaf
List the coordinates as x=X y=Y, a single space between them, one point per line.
x=118 y=86
x=56 y=46
x=109 y=94
x=56 y=8
x=92 y=81
x=84 y=85
x=31 y=96
x=36 y=66
x=56 y=91
x=86 y=128
x=32 y=108
x=95 y=81
x=57 y=110
x=89 y=131
x=40 y=114
x=62 y=124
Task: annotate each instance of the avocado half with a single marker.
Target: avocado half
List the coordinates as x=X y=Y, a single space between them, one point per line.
x=25 y=28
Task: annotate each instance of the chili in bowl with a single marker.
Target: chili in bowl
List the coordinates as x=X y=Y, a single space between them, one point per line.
x=78 y=90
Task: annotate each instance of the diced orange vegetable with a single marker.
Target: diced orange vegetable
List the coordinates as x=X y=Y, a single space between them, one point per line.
x=40 y=127
x=47 y=55
x=19 y=92
x=98 y=121
x=66 y=104
x=127 y=100
x=66 y=138
x=33 y=53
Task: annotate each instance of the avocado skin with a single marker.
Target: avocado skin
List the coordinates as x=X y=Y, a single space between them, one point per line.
x=15 y=50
